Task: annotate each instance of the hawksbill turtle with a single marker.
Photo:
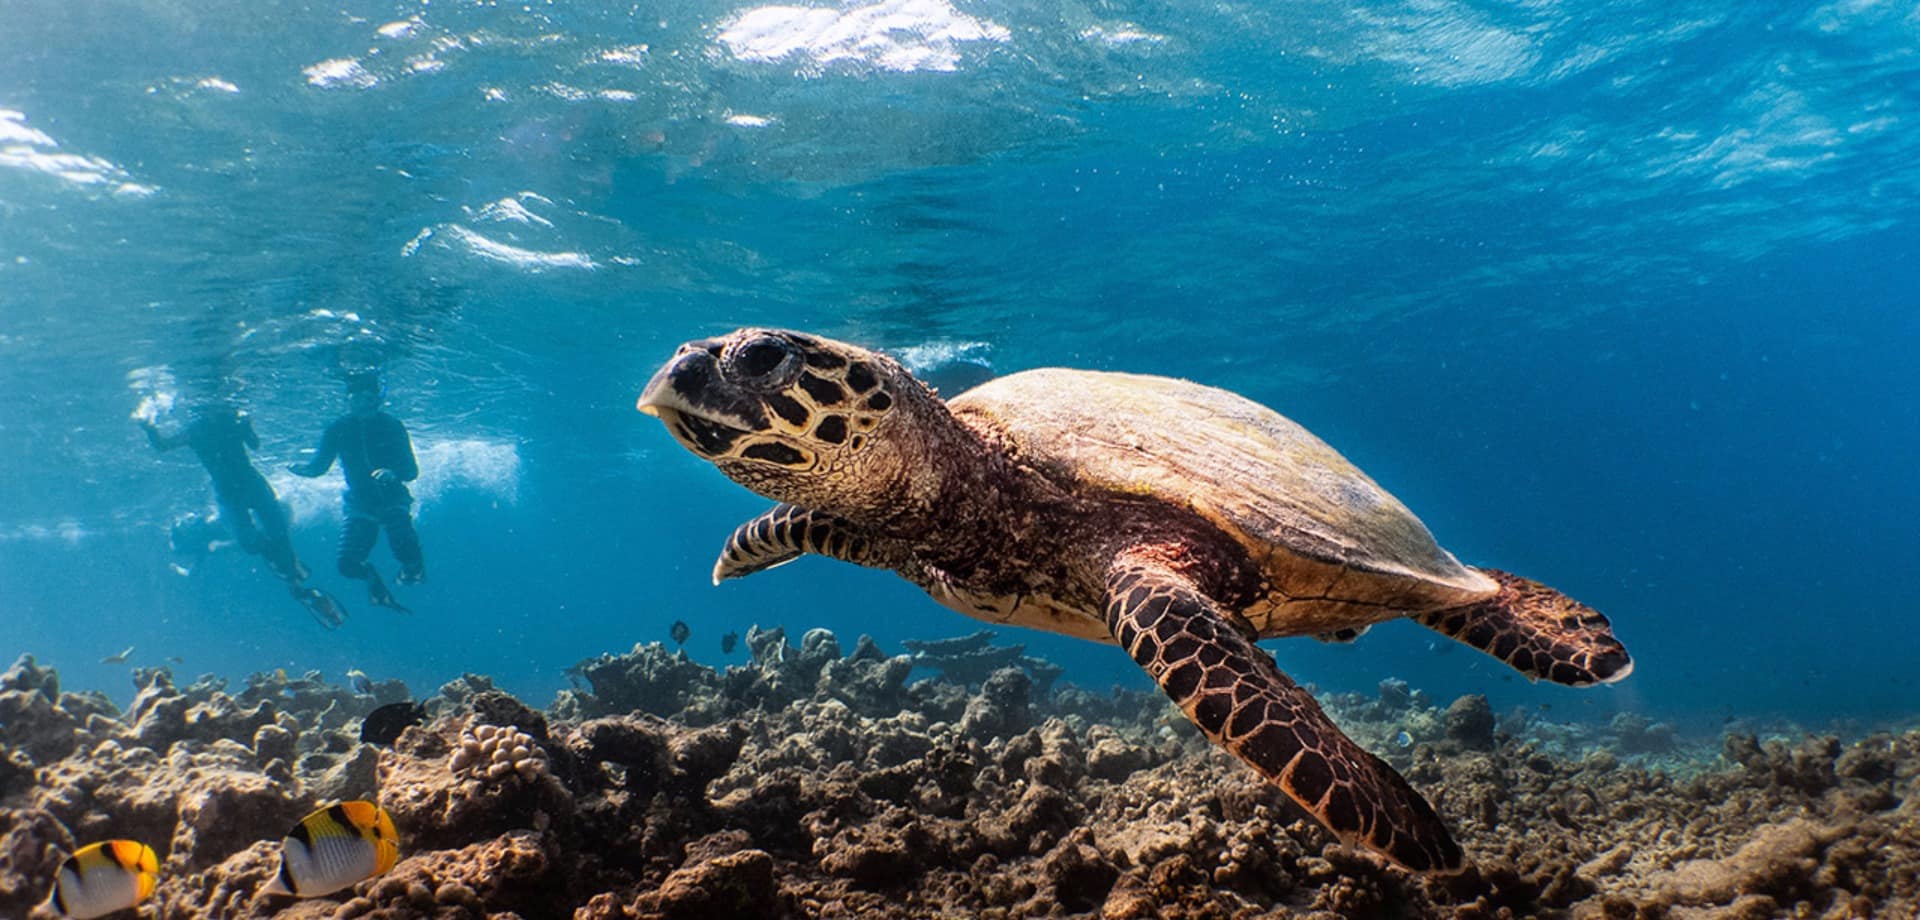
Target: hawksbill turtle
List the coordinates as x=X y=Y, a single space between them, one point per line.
x=1179 y=521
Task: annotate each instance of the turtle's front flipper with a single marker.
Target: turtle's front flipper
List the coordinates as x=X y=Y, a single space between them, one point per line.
x=1237 y=695
x=787 y=532
x=1539 y=631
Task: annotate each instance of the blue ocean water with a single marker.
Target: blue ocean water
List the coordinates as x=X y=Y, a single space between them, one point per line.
x=1620 y=296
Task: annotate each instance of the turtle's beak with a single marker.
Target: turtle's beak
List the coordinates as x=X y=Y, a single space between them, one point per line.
x=655 y=396
x=696 y=402
x=691 y=372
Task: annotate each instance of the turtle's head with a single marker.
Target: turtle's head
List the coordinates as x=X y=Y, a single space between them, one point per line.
x=805 y=420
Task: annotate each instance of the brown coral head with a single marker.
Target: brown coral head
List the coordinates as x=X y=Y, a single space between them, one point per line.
x=494 y=753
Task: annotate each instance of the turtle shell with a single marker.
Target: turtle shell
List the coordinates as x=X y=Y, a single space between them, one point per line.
x=1322 y=528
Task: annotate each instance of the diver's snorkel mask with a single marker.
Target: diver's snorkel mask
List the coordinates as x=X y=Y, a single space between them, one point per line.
x=365 y=391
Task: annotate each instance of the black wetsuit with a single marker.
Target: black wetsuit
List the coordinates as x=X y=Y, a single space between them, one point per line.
x=365 y=443
x=247 y=503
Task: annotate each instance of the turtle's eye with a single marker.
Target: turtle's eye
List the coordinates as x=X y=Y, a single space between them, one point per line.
x=768 y=362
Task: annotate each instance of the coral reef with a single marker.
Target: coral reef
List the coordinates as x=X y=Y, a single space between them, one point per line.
x=811 y=782
x=493 y=753
x=969 y=660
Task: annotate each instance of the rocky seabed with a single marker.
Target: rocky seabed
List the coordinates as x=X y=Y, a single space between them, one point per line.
x=814 y=783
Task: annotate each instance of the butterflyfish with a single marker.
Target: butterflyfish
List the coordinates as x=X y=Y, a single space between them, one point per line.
x=337 y=846
x=104 y=877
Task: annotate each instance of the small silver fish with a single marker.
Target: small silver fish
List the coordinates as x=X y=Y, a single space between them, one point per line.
x=360 y=682
x=120 y=658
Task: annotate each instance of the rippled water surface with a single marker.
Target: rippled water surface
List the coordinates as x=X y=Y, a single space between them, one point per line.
x=1618 y=295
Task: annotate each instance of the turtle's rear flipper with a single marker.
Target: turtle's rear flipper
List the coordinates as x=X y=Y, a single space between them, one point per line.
x=1539 y=631
x=1237 y=695
x=787 y=532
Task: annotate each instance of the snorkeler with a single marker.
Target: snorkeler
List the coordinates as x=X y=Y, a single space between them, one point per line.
x=220 y=434
x=376 y=457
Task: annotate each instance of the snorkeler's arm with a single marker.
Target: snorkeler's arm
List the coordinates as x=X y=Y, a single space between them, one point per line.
x=322 y=457
x=405 y=465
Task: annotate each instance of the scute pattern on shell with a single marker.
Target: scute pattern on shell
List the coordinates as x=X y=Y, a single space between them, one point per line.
x=1268 y=482
x=495 y=753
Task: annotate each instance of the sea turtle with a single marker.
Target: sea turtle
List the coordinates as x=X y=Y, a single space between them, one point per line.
x=1180 y=521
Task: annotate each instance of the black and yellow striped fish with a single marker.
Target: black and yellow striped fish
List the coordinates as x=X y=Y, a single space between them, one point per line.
x=335 y=847
x=103 y=877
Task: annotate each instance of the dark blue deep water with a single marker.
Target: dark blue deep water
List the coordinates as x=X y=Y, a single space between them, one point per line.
x=1621 y=296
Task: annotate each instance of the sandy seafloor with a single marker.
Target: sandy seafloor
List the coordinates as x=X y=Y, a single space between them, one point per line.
x=819 y=781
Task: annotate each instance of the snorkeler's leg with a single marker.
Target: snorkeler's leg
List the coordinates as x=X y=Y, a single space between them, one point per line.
x=357 y=535
x=405 y=543
x=261 y=529
x=278 y=551
x=239 y=521
x=276 y=522
x=276 y=541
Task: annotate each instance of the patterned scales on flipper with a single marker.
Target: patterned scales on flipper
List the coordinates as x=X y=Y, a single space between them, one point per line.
x=787 y=532
x=1539 y=631
x=1239 y=697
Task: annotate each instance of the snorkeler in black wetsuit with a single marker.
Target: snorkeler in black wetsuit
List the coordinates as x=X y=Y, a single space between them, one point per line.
x=376 y=457
x=220 y=435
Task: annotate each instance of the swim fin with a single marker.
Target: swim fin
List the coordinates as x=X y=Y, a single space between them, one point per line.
x=378 y=595
x=324 y=608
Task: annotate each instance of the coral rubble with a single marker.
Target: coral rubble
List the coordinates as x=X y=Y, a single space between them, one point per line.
x=815 y=783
